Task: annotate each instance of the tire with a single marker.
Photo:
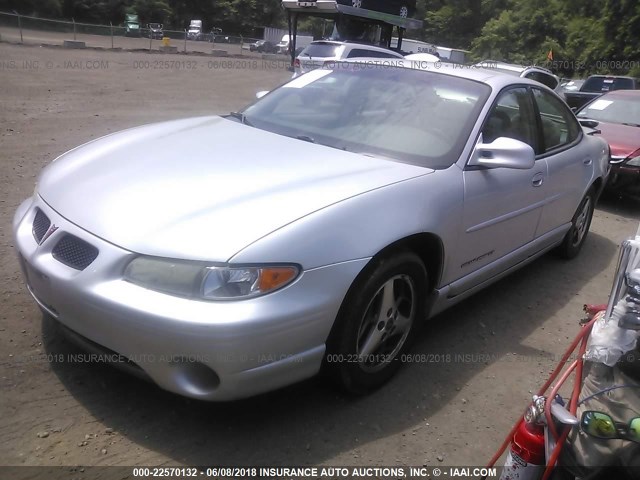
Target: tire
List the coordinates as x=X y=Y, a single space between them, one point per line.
x=580 y=223
x=376 y=323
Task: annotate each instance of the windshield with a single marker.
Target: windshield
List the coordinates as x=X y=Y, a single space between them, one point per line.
x=612 y=109
x=411 y=116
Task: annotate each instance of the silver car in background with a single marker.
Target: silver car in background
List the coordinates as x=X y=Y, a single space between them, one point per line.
x=317 y=53
x=532 y=72
x=223 y=257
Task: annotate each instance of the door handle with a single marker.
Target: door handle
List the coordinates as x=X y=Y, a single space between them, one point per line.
x=587 y=161
x=537 y=180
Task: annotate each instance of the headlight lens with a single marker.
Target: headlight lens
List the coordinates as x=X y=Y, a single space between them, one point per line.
x=198 y=281
x=634 y=162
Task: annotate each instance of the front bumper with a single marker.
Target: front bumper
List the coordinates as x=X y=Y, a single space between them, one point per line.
x=204 y=350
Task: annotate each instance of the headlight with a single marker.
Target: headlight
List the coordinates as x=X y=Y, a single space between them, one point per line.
x=634 y=162
x=203 y=282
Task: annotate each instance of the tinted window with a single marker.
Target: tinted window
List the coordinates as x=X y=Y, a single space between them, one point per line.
x=511 y=117
x=559 y=127
x=361 y=52
x=543 y=78
x=321 y=50
x=606 y=84
x=412 y=116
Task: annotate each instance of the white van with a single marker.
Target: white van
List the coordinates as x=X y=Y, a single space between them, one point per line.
x=301 y=42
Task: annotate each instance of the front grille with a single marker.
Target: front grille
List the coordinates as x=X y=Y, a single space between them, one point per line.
x=40 y=225
x=74 y=252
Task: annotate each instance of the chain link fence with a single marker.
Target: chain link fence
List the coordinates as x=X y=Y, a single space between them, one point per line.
x=16 y=28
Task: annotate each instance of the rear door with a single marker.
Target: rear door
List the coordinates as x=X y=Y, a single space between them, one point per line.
x=569 y=164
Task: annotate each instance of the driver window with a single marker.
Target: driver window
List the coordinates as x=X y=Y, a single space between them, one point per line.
x=511 y=117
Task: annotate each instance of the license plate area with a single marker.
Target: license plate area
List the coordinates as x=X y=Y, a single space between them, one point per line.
x=39 y=284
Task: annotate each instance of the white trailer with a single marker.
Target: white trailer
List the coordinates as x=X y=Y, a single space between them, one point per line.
x=410 y=45
x=453 y=55
x=301 y=42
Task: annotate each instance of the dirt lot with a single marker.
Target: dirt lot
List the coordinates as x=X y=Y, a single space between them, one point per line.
x=444 y=411
x=37 y=37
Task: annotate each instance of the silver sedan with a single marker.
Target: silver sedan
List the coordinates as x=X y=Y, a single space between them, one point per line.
x=222 y=257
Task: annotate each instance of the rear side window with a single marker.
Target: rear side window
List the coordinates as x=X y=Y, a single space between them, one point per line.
x=321 y=50
x=559 y=126
x=607 y=84
x=361 y=52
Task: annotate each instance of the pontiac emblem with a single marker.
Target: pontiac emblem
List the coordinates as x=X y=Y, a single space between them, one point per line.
x=50 y=232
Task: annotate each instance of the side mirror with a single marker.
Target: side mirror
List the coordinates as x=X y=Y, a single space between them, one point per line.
x=592 y=124
x=585 y=122
x=261 y=94
x=503 y=152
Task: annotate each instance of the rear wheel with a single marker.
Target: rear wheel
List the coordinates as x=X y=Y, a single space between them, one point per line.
x=376 y=323
x=577 y=234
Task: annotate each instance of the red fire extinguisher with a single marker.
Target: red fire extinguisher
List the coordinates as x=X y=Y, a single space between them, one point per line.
x=526 y=459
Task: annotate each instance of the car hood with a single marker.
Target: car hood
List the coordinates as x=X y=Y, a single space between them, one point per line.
x=623 y=139
x=204 y=188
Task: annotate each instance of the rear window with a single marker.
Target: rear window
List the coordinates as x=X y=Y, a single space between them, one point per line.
x=607 y=84
x=321 y=50
x=363 y=52
x=543 y=78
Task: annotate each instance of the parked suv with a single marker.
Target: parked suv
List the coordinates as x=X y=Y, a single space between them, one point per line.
x=317 y=53
x=596 y=85
x=539 y=74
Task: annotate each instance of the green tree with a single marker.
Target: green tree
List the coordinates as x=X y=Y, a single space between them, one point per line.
x=152 y=10
x=621 y=19
x=40 y=8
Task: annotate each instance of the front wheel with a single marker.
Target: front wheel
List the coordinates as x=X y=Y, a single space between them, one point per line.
x=580 y=223
x=376 y=322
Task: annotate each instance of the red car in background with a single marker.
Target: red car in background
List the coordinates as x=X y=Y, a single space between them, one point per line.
x=618 y=117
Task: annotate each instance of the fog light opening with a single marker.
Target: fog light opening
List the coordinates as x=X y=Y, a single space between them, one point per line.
x=193 y=376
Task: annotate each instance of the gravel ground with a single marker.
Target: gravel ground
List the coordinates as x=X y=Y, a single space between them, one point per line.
x=480 y=360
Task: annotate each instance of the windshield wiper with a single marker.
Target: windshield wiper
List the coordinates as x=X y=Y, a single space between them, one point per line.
x=305 y=138
x=631 y=124
x=242 y=117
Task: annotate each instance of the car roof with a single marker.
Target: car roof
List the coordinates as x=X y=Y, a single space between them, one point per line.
x=512 y=67
x=495 y=79
x=353 y=45
x=621 y=93
x=611 y=76
x=505 y=66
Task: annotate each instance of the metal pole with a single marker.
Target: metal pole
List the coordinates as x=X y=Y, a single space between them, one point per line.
x=150 y=39
x=290 y=27
x=111 y=29
x=185 y=40
x=74 y=29
x=19 y=25
x=241 y=44
x=292 y=40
